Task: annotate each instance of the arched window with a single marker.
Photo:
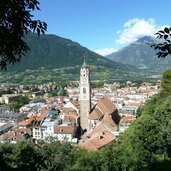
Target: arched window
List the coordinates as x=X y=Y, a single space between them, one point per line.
x=84 y=90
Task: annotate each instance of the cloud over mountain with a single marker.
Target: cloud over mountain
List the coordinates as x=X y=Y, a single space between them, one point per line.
x=135 y=28
x=105 y=51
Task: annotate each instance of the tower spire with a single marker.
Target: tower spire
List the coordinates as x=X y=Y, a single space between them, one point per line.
x=84 y=61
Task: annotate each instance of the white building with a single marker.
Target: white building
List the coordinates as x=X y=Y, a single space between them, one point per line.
x=65 y=133
x=47 y=128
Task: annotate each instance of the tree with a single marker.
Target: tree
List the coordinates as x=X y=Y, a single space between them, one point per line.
x=166 y=83
x=84 y=160
x=62 y=91
x=16 y=21
x=164 y=47
x=23 y=156
x=6 y=156
x=57 y=156
x=23 y=100
x=26 y=157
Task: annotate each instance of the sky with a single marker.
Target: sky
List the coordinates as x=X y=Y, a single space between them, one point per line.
x=104 y=26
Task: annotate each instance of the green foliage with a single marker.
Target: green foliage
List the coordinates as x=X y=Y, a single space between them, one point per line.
x=166 y=83
x=98 y=84
x=164 y=47
x=84 y=161
x=57 y=156
x=23 y=100
x=6 y=156
x=21 y=156
x=16 y=21
x=52 y=94
x=62 y=91
x=26 y=157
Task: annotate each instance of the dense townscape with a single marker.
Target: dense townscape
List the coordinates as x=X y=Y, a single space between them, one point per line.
x=46 y=117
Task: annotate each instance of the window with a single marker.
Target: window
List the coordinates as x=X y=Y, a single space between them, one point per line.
x=84 y=90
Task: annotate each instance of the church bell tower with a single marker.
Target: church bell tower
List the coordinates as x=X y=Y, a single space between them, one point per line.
x=85 y=96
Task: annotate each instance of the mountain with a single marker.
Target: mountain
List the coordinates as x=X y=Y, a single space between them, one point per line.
x=63 y=58
x=51 y=51
x=141 y=55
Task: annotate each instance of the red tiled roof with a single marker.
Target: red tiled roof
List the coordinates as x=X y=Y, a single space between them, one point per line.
x=98 y=140
x=106 y=106
x=75 y=103
x=43 y=111
x=64 y=129
x=108 y=118
x=138 y=104
x=67 y=110
x=33 y=120
x=101 y=127
x=22 y=130
x=70 y=119
x=96 y=114
x=26 y=122
x=16 y=136
x=128 y=119
x=74 y=115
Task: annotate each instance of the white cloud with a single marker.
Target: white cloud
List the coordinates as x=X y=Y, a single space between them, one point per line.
x=136 y=28
x=105 y=51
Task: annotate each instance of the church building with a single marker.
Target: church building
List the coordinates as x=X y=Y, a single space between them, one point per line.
x=103 y=116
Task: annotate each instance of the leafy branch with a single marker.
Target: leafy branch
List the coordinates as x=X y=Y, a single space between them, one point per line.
x=164 y=48
x=16 y=21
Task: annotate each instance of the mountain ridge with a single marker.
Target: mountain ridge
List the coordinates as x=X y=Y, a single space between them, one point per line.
x=51 y=51
x=141 y=55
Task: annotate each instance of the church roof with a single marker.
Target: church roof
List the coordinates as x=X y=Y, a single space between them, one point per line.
x=96 y=114
x=101 y=127
x=98 y=140
x=106 y=106
x=108 y=118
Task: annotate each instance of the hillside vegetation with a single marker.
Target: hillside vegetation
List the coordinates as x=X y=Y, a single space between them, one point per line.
x=51 y=51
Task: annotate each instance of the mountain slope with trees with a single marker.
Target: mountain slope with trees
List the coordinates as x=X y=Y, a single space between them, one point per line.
x=51 y=51
x=54 y=58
